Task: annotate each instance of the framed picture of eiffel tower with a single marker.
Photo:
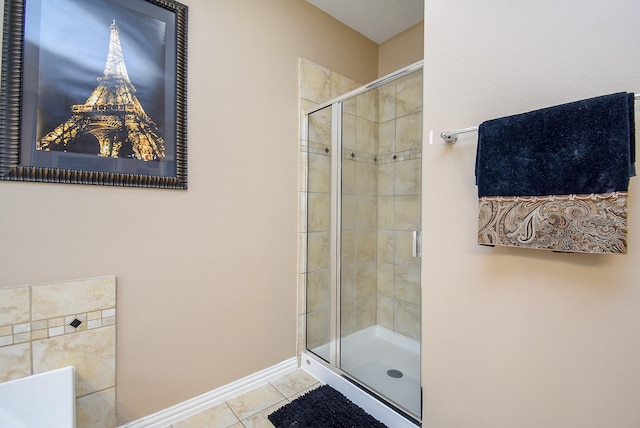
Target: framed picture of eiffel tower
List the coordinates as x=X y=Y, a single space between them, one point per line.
x=94 y=92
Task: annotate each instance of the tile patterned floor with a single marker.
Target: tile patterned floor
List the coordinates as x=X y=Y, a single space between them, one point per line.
x=250 y=410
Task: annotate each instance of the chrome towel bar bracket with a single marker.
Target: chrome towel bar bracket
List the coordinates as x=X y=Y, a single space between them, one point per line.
x=452 y=136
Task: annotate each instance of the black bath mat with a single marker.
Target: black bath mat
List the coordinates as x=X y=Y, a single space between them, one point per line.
x=323 y=407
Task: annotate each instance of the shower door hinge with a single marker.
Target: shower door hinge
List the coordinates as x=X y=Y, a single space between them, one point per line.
x=417 y=243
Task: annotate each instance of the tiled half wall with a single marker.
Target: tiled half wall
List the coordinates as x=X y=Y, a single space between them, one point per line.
x=48 y=326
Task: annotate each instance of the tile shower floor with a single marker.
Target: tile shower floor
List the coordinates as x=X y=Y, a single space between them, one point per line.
x=250 y=410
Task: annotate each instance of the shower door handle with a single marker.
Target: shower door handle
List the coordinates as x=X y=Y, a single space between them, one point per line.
x=417 y=243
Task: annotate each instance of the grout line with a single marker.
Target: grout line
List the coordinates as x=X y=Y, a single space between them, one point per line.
x=232 y=411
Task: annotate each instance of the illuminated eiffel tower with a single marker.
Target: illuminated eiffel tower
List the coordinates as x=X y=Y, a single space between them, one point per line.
x=112 y=114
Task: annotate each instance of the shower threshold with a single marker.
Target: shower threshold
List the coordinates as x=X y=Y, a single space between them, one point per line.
x=384 y=362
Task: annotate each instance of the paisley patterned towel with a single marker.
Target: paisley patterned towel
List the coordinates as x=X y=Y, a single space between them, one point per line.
x=557 y=178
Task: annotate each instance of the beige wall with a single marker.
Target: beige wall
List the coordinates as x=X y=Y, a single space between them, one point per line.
x=206 y=277
x=401 y=50
x=515 y=337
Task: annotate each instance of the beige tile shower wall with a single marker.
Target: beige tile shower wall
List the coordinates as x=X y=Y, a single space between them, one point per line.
x=359 y=213
x=315 y=203
x=36 y=336
x=318 y=227
x=317 y=85
x=399 y=205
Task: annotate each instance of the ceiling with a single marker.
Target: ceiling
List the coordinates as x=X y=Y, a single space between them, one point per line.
x=378 y=20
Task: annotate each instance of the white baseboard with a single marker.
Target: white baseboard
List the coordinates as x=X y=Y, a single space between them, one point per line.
x=214 y=397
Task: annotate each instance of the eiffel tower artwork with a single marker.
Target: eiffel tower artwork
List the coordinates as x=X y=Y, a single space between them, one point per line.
x=112 y=114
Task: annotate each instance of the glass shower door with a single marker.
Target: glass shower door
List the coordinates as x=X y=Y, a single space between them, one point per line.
x=380 y=290
x=363 y=212
x=320 y=322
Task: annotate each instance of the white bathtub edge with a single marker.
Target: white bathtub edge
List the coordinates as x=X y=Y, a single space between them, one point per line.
x=40 y=399
x=214 y=397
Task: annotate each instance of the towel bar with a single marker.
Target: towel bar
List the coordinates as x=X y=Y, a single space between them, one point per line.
x=450 y=137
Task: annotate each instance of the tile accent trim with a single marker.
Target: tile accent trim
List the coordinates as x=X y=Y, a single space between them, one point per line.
x=317 y=148
x=164 y=418
x=382 y=158
x=357 y=156
x=43 y=329
x=400 y=156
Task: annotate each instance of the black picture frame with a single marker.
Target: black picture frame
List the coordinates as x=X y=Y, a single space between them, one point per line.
x=66 y=118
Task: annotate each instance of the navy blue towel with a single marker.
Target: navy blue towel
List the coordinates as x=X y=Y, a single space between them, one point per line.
x=583 y=147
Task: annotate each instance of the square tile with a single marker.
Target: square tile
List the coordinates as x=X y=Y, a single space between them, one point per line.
x=315 y=81
x=349 y=132
x=407 y=319
x=408 y=212
x=301 y=393
x=367 y=136
x=319 y=213
x=72 y=297
x=320 y=126
x=255 y=401
x=318 y=290
x=407 y=284
x=14 y=305
x=408 y=177
x=347 y=317
x=366 y=309
x=219 y=416
x=93 y=353
x=97 y=410
x=387 y=103
x=318 y=251
x=317 y=331
x=409 y=132
x=367 y=105
x=294 y=383
x=319 y=173
x=261 y=419
x=409 y=95
x=15 y=361
x=385 y=311
x=340 y=85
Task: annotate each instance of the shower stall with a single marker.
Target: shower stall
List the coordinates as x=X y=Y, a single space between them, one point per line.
x=362 y=265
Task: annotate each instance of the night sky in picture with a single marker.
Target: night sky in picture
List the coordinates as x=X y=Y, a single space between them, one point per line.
x=73 y=41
